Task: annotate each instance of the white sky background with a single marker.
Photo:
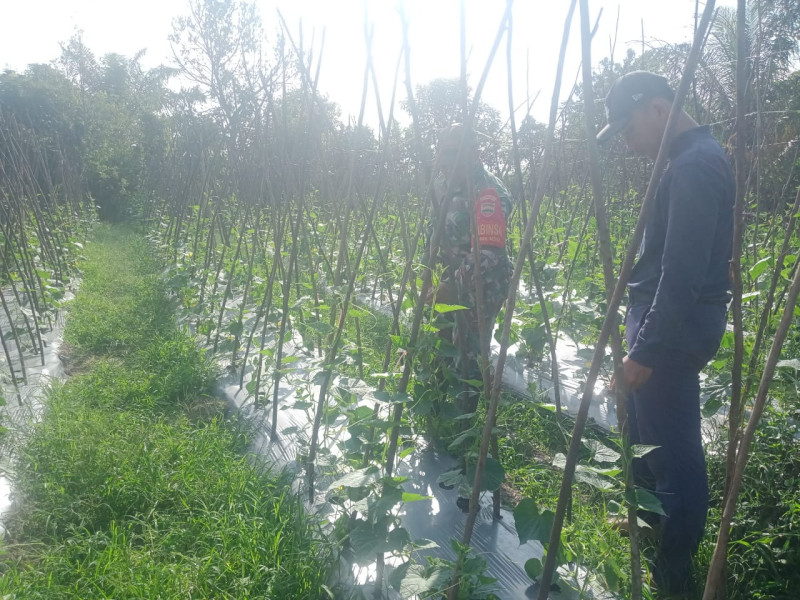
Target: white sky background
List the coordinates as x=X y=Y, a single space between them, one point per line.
x=31 y=30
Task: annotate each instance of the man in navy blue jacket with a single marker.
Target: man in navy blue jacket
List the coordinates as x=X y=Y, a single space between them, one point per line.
x=678 y=292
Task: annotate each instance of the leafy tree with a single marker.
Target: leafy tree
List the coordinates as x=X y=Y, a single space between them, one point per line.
x=119 y=116
x=43 y=104
x=217 y=48
x=440 y=103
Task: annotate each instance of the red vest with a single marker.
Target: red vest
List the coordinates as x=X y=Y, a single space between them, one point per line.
x=490 y=218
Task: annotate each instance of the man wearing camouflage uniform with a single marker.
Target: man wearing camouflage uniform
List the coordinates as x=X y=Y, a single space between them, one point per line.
x=466 y=187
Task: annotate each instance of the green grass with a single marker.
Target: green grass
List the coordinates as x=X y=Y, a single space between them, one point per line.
x=122 y=301
x=128 y=491
x=765 y=534
x=588 y=538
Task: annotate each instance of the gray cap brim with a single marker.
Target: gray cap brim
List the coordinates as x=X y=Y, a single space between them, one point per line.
x=610 y=130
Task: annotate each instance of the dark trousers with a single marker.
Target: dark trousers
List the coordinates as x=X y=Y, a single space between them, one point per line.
x=665 y=412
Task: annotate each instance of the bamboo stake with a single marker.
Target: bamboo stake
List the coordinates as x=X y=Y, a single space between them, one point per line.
x=264 y=308
x=736 y=412
x=287 y=282
x=354 y=267
x=229 y=284
x=551 y=342
x=769 y=303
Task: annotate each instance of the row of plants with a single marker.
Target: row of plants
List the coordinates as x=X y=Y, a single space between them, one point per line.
x=44 y=219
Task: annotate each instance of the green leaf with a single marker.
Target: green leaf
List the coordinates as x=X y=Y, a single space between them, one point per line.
x=531 y=524
x=493 y=475
x=357 y=479
x=382 y=396
x=608 y=472
x=357 y=312
x=448 y=350
x=411 y=497
x=612 y=573
x=749 y=295
x=397 y=540
x=591 y=477
x=452 y=477
x=646 y=500
x=761 y=266
x=367 y=540
x=399 y=340
x=469 y=434
x=299 y=302
x=464 y=417
x=642 y=450
x=534 y=568
x=583 y=474
x=602 y=453
x=321 y=327
x=423 y=544
x=391 y=398
x=403 y=453
x=446 y=308
x=418 y=582
x=386 y=375
x=711 y=407
x=397 y=574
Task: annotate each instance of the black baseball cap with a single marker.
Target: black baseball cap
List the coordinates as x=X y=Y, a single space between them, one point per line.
x=628 y=92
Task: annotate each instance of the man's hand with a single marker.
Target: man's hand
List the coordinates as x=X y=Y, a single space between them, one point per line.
x=635 y=375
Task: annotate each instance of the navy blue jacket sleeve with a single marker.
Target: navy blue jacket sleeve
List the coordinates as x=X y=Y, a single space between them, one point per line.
x=695 y=200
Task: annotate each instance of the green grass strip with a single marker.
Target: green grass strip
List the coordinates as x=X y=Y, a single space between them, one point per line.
x=130 y=486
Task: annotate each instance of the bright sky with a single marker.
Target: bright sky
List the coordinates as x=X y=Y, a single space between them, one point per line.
x=31 y=30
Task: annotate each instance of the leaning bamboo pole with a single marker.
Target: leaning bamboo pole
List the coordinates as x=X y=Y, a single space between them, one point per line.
x=769 y=302
x=736 y=412
x=520 y=194
x=279 y=341
x=402 y=385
